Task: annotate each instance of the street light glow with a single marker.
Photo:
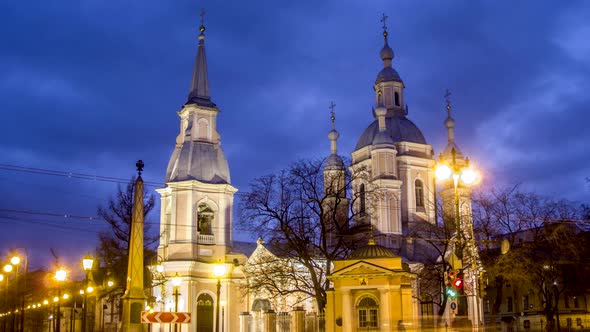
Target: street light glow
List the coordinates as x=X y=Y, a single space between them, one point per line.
x=219 y=270
x=7 y=268
x=468 y=176
x=110 y=283
x=15 y=260
x=87 y=263
x=442 y=172
x=60 y=275
x=176 y=280
x=90 y=289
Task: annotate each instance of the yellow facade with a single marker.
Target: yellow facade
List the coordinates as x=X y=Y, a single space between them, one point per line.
x=371 y=294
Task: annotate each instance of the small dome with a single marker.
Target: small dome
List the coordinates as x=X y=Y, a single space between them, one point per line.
x=334 y=161
x=388 y=74
x=399 y=128
x=372 y=251
x=449 y=122
x=333 y=135
x=386 y=53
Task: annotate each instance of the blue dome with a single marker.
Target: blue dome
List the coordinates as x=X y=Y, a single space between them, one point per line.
x=399 y=128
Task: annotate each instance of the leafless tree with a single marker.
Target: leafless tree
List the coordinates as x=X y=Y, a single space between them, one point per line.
x=306 y=218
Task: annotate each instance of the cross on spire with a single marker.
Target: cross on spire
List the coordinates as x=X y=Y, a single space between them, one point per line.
x=202 y=16
x=384 y=21
x=448 y=100
x=332 y=113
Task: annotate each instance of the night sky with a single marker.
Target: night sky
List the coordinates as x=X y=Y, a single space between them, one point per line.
x=91 y=86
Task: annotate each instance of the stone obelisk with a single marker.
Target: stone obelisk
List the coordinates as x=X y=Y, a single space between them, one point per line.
x=134 y=297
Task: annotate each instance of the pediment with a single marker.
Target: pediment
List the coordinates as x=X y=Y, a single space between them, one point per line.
x=361 y=268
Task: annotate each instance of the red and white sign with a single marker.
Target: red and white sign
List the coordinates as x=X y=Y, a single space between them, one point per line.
x=165 y=317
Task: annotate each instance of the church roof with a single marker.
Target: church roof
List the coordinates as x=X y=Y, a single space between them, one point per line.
x=399 y=128
x=202 y=161
x=199 y=89
x=372 y=251
x=334 y=161
x=388 y=74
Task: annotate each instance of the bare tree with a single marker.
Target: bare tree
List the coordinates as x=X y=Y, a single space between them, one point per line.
x=304 y=214
x=546 y=240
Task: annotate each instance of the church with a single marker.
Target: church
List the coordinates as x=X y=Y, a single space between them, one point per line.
x=197 y=209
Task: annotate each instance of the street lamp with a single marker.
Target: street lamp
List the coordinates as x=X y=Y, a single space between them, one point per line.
x=60 y=276
x=464 y=174
x=87 y=263
x=176 y=281
x=219 y=271
x=459 y=174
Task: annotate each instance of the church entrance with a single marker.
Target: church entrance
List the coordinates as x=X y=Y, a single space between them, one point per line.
x=204 y=313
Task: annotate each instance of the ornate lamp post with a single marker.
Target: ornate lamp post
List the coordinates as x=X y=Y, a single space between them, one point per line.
x=60 y=276
x=219 y=271
x=87 y=263
x=459 y=174
x=176 y=281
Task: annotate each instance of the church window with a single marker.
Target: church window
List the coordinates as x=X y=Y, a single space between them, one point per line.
x=419 y=188
x=396 y=97
x=362 y=197
x=368 y=311
x=205 y=220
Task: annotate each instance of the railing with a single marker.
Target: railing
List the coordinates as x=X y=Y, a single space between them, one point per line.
x=206 y=239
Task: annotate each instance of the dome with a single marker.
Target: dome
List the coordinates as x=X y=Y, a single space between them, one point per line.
x=399 y=128
x=372 y=251
x=334 y=161
x=386 y=53
x=201 y=161
x=388 y=74
x=383 y=139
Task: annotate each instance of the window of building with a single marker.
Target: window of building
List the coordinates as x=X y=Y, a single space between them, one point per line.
x=396 y=97
x=525 y=302
x=527 y=324
x=509 y=304
x=368 y=313
x=576 y=302
x=578 y=321
x=205 y=220
x=419 y=188
x=569 y=322
x=362 y=204
x=566 y=300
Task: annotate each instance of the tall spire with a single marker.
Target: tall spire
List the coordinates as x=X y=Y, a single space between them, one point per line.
x=333 y=135
x=386 y=52
x=334 y=161
x=450 y=124
x=199 y=90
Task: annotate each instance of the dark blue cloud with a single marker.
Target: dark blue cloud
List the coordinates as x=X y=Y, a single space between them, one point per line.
x=91 y=87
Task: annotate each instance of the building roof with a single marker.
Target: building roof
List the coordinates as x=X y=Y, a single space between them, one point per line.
x=196 y=160
x=399 y=128
x=372 y=250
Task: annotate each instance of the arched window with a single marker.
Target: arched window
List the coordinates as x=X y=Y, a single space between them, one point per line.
x=362 y=205
x=396 y=97
x=205 y=220
x=368 y=314
x=419 y=188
